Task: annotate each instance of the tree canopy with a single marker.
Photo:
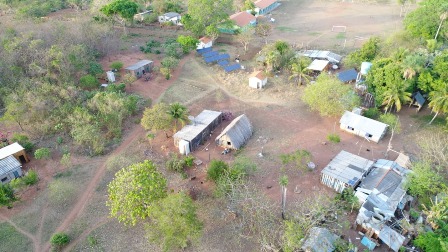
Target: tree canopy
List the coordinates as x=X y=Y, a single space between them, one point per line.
x=134 y=191
x=205 y=13
x=156 y=118
x=329 y=96
x=424 y=21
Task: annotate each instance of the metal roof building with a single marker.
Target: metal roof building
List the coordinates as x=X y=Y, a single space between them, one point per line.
x=318 y=65
x=345 y=170
x=348 y=75
x=140 y=68
x=363 y=126
x=324 y=55
x=236 y=133
x=10 y=169
x=15 y=150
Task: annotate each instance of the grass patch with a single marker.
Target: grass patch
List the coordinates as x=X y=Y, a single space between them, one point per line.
x=61 y=191
x=63 y=174
x=12 y=240
x=334 y=138
x=341 y=35
x=286 y=29
x=314 y=33
x=425 y=119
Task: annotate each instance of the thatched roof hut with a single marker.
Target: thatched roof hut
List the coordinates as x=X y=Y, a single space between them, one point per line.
x=236 y=133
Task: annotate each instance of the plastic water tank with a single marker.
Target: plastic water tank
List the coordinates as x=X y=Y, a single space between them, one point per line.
x=365 y=67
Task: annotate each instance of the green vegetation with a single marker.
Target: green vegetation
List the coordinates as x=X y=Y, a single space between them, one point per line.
x=6 y=195
x=157 y=118
x=134 y=190
x=59 y=240
x=372 y=113
x=425 y=182
x=121 y=10
x=391 y=120
x=30 y=178
x=116 y=65
x=42 y=153
x=12 y=240
x=188 y=43
x=329 y=97
x=204 y=17
x=334 y=138
x=179 y=164
x=89 y=82
x=216 y=169
x=367 y=52
x=24 y=141
x=299 y=158
x=425 y=21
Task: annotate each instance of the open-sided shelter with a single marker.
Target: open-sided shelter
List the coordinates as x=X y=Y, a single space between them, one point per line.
x=140 y=68
x=236 y=133
x=362 y=126
x=191 y=136
x=15 y=150
x=10 y=169
x=345 y=170
x=257 y=79
x=322 y=55
x=319 y=65
x=417 y=100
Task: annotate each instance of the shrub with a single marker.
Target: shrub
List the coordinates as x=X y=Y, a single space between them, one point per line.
x=6 y=195
x=151 y=18
x=300 y=158
x=95 y=68
x=30 y=178
x=175 y=164
x=372 y=113
x=217 y=169
x=88 y=81
x=24 y=141
x=42 y=153
x=116 y=65
x=116 y=88
x=334 y=138
x=59 y=240
x=66 y=160
x=189 y=161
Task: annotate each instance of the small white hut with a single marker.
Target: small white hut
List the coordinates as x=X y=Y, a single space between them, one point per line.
x=205 y=42
x=257 y=80
x=236 y=133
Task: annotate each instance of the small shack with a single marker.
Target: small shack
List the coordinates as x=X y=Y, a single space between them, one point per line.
x=110 y=76
x=15 y=150
x=348 y=76
x=257 y=79
x=345 y=170
x=191 y=136
x=140 y=68
x=242 y=21
x=322 y=55
x=320 y=240
x=10 y=169
x=370 y=129
x=172 y=17
x=417 y=100
x=204 y=42
x=319 y=65
x=142 y=15
x=236 y=133
x=263 y=7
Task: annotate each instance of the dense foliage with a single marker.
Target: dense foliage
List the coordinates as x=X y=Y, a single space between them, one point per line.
x=425 y=20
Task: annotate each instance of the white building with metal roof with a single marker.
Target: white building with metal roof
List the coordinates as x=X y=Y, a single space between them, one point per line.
x=323 y=55
x=345 y=170
x=10 y=169
x=370 y=129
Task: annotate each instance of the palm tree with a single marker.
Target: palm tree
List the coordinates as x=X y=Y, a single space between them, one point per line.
x=179 y=113
x=413 y=64
x=299 y=70
x=283 y=183
x=439 y=101
x=395 y=96
x=443 y=16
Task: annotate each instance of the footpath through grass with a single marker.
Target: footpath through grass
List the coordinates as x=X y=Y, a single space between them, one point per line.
x=12 y=240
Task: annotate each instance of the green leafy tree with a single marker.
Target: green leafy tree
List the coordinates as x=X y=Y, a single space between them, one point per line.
x=278 y=55
x=59 y=240
x=134 y=191
x=157 y=118
x=329 y=96
x=179 y=113
x=168 y=63
x=6 y=195
x=89 y=82
x=299 y=70
x=85 y=130
x=212 y=31
x=394 y=96
x=95 y=68
x=424 y=22
x=367 y=52
x=439 y=100
x=188 y=43
x=391 y=120
x=424 y=181
x=205 y=13
x=216 y=169
x=117 y=65
x=23 y=140
x=122 y=10
x=174 y=223
x=42 y=153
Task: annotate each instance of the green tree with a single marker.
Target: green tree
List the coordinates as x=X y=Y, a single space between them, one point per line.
x=42 y=153
x=134 y=191
x=216 y=169
x=122 y=10
x=89 y=82
x=174 y=223
x=6 y=195
x=439 y=100
x=188 y=43
x=179 y=113
x=299 y=70
x=59 y=240
x=205 y=13
x=424 y=181
x=391 y=120
x=117 y=65
x=394 y=96
x=157 y=118
x=329 y=96
x=424 y=21
x=168 y=63
x=85 y=130
x=367 y=52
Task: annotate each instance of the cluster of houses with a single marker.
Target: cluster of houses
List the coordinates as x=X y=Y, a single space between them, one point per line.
x=201 y=128
x=379 y=187
x=11 y=159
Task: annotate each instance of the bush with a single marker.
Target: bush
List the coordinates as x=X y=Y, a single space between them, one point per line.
x=42 y=153
x=88 y=81
x=6 y=195
x=372 y=113
x=334 y=138
x=175 y=164
x=117 y=65
x=66 y=160
x=116 y=88
x=189 y=161
x=95 y=68
x=59 y=240
x=24 y=141
x=217 y=169
x=30 y=178
x=300 y=158
x=151 y=18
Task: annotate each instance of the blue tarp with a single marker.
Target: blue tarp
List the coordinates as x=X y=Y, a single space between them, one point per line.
x=217 y=58
x=232 y=67
x=223 y=63
x=348 y=75
x=204 y=50
x=209 y=54
x=368 y=243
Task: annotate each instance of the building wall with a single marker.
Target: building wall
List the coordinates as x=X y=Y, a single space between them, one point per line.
x=257 y=83
x=139 y=72
x=202 y=45
x=21 y=156
x=331 y=182
x=6 y=178
x=360 y=133
x=267 y=9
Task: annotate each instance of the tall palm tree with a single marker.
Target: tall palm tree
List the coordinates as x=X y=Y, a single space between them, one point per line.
x=443 y=17
x=283 y=183
x=395 y=96
x=179 y=113
x=299 y=70
x=439 y=101
x=412 y=65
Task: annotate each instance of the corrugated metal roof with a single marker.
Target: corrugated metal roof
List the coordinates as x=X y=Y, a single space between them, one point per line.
x=347 y=167
x=258 y=74
x=171 y=14
x=8 y=164
x=318 y=65
x=317 y=54
x=138 y=65
x=348 y=75
x=375 y=128
x=391 y=238
x=264 y=3
x=10 y=150
x=201 y=122
x=239 y=131
x=243 y=18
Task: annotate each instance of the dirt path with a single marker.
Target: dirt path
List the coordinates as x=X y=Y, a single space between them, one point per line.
x=33 y=238
x=86 y=232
